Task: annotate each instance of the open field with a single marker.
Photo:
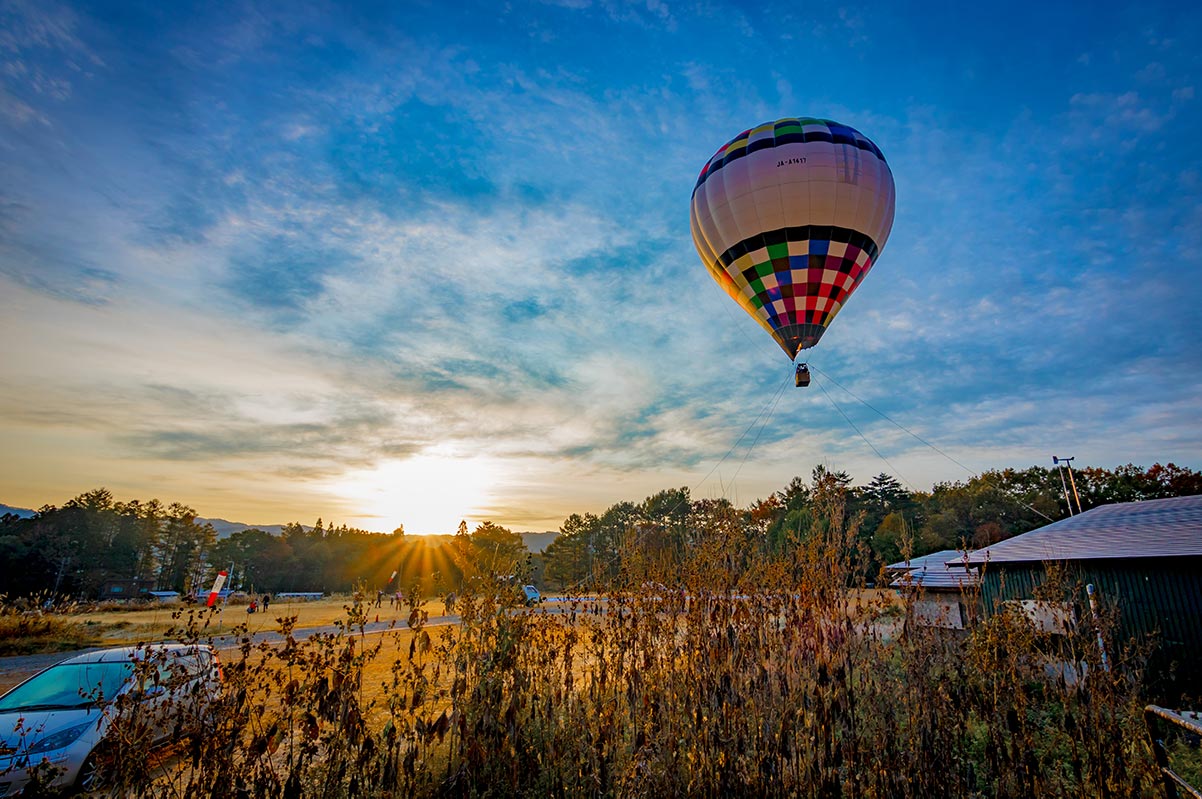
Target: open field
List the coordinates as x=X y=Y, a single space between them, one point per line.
x=33 y=632
x=14 y=669
x=44 y=638
x=279 y=689
x=655 y=695
x=130 y=625
x=807 y=692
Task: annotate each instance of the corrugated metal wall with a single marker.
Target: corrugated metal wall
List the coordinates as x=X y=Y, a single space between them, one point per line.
x=1154 y=595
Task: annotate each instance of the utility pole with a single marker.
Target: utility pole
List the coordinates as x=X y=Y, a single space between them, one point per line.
x=1068 y=464
x=1072 y=482
x=1064 y=485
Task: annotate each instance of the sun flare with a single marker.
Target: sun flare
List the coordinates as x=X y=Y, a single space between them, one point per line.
x=427 y=493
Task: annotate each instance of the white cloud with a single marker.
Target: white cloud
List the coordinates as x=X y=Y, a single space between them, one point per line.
x=17 y=112
x=1111 y=115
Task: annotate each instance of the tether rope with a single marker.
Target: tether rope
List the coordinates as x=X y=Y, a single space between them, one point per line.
x=889 y=419
x=768 y=409
x=847 y=418
x=779 y=393
x=919 y=438
x=766 y=414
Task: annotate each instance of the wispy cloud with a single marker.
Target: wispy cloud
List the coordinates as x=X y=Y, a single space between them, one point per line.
x=311 y=246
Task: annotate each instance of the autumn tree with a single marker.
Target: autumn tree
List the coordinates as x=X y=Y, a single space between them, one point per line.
x=499 y=552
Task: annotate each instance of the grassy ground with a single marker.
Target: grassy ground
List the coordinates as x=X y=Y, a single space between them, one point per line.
x=25 y=634
x=308 y=614
x=387 y=670
x=758 y=674
x=33 y=633
x=797 y=693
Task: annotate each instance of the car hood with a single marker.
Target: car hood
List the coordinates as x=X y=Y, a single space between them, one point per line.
x=36 y=724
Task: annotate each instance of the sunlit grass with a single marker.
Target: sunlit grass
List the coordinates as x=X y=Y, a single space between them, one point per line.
x=32 y=631
x=722 y=674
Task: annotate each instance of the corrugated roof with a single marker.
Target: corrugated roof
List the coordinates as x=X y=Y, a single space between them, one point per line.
x=943 y=570
x=922 y=561
x=1155 y=528
x=937 y=578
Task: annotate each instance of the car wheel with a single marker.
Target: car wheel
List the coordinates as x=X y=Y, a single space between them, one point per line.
x=94 y=773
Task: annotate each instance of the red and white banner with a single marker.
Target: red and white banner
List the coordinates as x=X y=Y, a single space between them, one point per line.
x=217 y=584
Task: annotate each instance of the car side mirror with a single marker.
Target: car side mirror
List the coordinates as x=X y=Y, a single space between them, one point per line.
x=152 y=692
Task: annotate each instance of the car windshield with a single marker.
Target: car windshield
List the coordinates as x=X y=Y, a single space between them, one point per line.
x=69 y=685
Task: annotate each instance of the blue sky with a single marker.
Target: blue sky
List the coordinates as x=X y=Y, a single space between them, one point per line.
x=415 y=262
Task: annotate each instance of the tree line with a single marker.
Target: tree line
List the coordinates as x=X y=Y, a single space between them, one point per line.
x=639 y=540
x=93 y=540
x=75 y=549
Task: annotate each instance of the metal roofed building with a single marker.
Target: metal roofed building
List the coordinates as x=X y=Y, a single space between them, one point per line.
x=1154 y=528
x=942 y=578
x=1145 y=557
x=938 y=571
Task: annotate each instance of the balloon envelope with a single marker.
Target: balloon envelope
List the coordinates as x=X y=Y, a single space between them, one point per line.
x=789 y=218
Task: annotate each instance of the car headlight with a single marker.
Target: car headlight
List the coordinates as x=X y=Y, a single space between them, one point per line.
x=60 y=739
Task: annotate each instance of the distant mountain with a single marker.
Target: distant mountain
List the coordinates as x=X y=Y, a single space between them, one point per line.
x=537 y=542
x=227 y=528
x=224 y=528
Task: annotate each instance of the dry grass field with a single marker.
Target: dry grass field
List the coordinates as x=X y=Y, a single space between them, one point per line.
x=775 y=678
x=24 y=632
x=383 y=681
x=134 y=625
x=810 y=692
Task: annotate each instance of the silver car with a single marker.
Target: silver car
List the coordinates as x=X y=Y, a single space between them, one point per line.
x=56 y=726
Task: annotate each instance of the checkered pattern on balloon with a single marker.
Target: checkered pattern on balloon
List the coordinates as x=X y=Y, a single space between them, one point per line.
x=789 y=218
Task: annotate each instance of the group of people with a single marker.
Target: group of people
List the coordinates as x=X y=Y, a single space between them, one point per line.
x=394 y=600
x=397 y=600
x=253 y=607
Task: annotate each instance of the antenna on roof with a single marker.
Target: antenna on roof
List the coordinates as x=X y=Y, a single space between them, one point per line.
x=1068 y=464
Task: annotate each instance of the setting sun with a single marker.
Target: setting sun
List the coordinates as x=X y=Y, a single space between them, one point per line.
x=428 y=493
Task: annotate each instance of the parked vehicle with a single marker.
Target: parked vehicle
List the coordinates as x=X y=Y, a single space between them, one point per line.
x=60 y=722
x=531 y=595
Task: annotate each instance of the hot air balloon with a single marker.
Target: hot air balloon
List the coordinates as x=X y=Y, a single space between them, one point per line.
x=789 y=218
